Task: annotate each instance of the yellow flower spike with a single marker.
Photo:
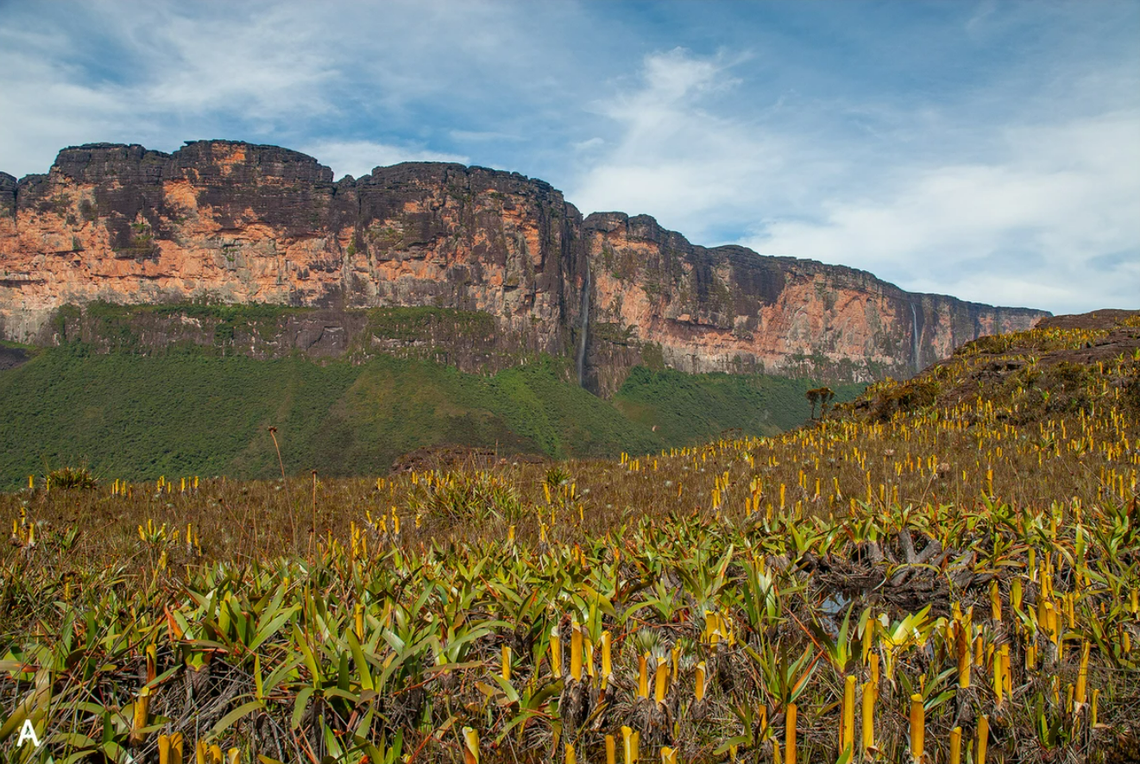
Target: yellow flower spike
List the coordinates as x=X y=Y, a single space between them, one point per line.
x=607 y=666
x=661 y=681
x=847 y=719
x=576 y=652
x=506 y=662
x=868 y=638
x=1083 y=675
x=611 y=750
x=917 y=728
x=956 y=745
x=629 y=749
x=983 y=739
x=790 y=734
x=999 y=676
x=642 y=677
x=138 y=720
x=470 y=746
x=555 y=653
x=868 y=716
x=1006 y=672
x=164 y=750
x=700 y=681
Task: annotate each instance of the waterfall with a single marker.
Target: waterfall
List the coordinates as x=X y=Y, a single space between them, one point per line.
x=914 y=333
x=584 y=328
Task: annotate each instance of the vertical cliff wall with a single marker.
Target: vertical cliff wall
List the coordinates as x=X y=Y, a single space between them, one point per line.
x=226 y=222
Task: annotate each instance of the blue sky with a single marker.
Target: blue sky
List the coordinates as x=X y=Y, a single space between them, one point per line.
x=988 y=150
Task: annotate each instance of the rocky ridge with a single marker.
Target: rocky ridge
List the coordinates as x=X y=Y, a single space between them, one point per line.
x=225 y=222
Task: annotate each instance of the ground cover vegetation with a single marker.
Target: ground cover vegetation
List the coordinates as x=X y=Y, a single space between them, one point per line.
x=946 y=569
x=190 y=411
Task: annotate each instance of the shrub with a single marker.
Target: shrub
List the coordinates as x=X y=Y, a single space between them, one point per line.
x=71 y=477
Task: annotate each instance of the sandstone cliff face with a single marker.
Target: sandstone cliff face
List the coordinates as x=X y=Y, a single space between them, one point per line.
x=229 y=222
x=729 y=309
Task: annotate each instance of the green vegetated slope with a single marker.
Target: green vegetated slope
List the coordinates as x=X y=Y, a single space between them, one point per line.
x=188 y=412
x=698 y=407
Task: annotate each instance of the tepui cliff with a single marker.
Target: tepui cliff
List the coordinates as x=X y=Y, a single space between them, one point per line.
x=225 y=222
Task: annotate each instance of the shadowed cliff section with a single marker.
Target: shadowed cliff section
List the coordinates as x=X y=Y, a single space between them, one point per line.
x=222 y=222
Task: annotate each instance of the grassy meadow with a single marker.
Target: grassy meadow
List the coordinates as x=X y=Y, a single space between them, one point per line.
x=946 y=569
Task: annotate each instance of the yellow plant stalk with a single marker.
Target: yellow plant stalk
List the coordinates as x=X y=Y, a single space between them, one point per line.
x=1083 y=675
x=470 y=746
x=138 y=721
x=999 y=676
x=576 y=652
x=1006 y=672
x=700 y=689
x=506 y=660
x=983 y=739
x=956 y=745
x=661 y=681
x=611 y=750
x=868 y=638
x=607 y=666
x=790 y=734
x=868 y=715
x=847 y=728
x=166 y=750
x=1092 y=710
x=963 y=646
x=628 y=745
x=555 y=653
x=642 y=677
x=917 y=728
x=875 y=673
x=588 y=649
x=995 y=601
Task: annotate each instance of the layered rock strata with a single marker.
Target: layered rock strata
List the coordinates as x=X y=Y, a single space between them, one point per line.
x=226 y=222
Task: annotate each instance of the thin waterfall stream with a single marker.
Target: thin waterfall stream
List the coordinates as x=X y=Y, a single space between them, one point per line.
x=914 y=332
x=584 y=328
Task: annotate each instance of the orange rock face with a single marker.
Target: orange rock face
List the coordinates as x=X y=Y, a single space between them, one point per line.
x=238 y=223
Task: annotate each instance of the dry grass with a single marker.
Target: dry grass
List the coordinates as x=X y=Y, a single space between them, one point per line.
x=1010 y=471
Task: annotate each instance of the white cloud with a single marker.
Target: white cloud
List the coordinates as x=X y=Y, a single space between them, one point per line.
x=1025 y=229
x=1025 y=209
x=358 y=158
x=691 y=168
